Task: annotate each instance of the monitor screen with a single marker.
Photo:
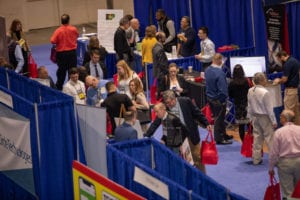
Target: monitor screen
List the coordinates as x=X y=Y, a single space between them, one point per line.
x=251 y=65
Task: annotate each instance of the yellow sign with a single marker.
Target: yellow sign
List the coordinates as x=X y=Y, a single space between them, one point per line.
x=90 y=185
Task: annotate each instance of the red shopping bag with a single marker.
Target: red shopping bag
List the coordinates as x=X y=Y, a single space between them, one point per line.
x=209 y=152
x=153 y=91
x=208 y=113
x=108 y=125
x=53 y=54
x=296 y=193
x=273 y=190
x=115 y=77
x=32 y=67
x=246 y=149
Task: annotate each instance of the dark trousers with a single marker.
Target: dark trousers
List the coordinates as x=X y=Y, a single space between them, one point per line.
x=65 y=61
x=219 y=110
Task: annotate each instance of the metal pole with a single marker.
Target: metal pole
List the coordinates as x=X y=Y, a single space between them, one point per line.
x=253 y=27
x=147 y=83
x=191 y=13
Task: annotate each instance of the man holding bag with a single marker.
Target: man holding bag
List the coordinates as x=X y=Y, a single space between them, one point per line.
x=285 y=153
x=189 y=114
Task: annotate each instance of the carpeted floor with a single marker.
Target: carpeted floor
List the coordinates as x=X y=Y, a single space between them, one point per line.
x=233 y=170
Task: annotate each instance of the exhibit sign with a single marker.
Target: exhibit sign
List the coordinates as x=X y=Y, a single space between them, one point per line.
x=15 y=149
x=90 y=185
x=107 y=24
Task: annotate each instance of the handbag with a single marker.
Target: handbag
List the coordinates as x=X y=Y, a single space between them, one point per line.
x=246 y=149
x=296 y=193
x=208 y=113
x=53 y=54
x=122 y=111
x=209 y=152
x=144 y=116
x=273 y=190
x=32 y=67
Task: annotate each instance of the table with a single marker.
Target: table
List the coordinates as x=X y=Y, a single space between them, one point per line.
x=196 y=91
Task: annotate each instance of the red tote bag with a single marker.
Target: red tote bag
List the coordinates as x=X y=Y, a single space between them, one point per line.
x=273 y=190
x=208 y=113
x=246 y=149
x=296 y=193
x=209 y=152
x=32 y=67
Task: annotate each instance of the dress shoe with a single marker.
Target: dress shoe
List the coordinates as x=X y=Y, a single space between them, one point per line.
x=228 y=137
x=224 y=142
x=259 y=163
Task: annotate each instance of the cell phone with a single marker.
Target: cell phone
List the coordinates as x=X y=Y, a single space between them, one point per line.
x=87 y=190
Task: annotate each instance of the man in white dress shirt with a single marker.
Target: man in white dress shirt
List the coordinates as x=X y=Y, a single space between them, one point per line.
x=260 y=112
x=207 y=48
x=75 y=87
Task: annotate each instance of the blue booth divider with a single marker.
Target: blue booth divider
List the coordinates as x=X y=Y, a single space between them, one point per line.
x=160 y=162
x=54 y=136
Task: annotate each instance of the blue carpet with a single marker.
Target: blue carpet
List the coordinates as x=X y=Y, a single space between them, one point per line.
x=233 y=170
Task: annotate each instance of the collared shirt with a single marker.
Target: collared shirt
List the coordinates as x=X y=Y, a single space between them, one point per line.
x=65 y=38
x=93 y=70
x=176 y=110
x=207 y=50
x=76 y=90
x=260 y=103
x=285 y=144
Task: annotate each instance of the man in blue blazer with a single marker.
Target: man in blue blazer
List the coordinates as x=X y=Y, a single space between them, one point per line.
x=190 y=115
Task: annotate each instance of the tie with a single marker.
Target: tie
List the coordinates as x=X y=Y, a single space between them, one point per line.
x=96 y=70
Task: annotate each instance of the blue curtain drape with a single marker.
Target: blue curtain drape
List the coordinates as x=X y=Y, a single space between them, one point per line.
x=58 y=141
x=260 y=31
x=229 y=21
x=293 y=12
x=123 y=157
x=145 y=11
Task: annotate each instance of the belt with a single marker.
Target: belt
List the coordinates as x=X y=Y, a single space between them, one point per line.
x=291 y=87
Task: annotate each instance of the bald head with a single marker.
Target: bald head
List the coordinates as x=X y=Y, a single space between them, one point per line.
x=287 y=116
x=135 y=24
x=91 y=81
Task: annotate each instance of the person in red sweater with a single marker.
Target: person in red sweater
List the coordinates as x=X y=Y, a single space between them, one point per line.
x=65 y=39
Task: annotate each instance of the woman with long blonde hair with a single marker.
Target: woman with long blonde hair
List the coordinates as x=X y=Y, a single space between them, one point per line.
x=139 y=100
x=125 y=75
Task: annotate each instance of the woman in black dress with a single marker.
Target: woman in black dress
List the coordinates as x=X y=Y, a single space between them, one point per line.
x=238 y=90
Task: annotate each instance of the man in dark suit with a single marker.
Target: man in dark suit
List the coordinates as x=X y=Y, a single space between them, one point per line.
x=126 y=131
x=96 y=67
x=190 y=115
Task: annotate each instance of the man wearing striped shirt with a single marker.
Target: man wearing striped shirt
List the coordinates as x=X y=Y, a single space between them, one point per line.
x=285 y=153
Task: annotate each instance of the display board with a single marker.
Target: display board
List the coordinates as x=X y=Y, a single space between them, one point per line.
x=251 y=65
x=107 y=24
x=88 y=184
x=15 y=149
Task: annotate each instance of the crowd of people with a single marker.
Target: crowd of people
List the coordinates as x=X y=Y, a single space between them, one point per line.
x=175 y=111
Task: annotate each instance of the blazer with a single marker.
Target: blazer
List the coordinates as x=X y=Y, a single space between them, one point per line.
x=102 y=65
x=192 y=116
x=181 y=81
